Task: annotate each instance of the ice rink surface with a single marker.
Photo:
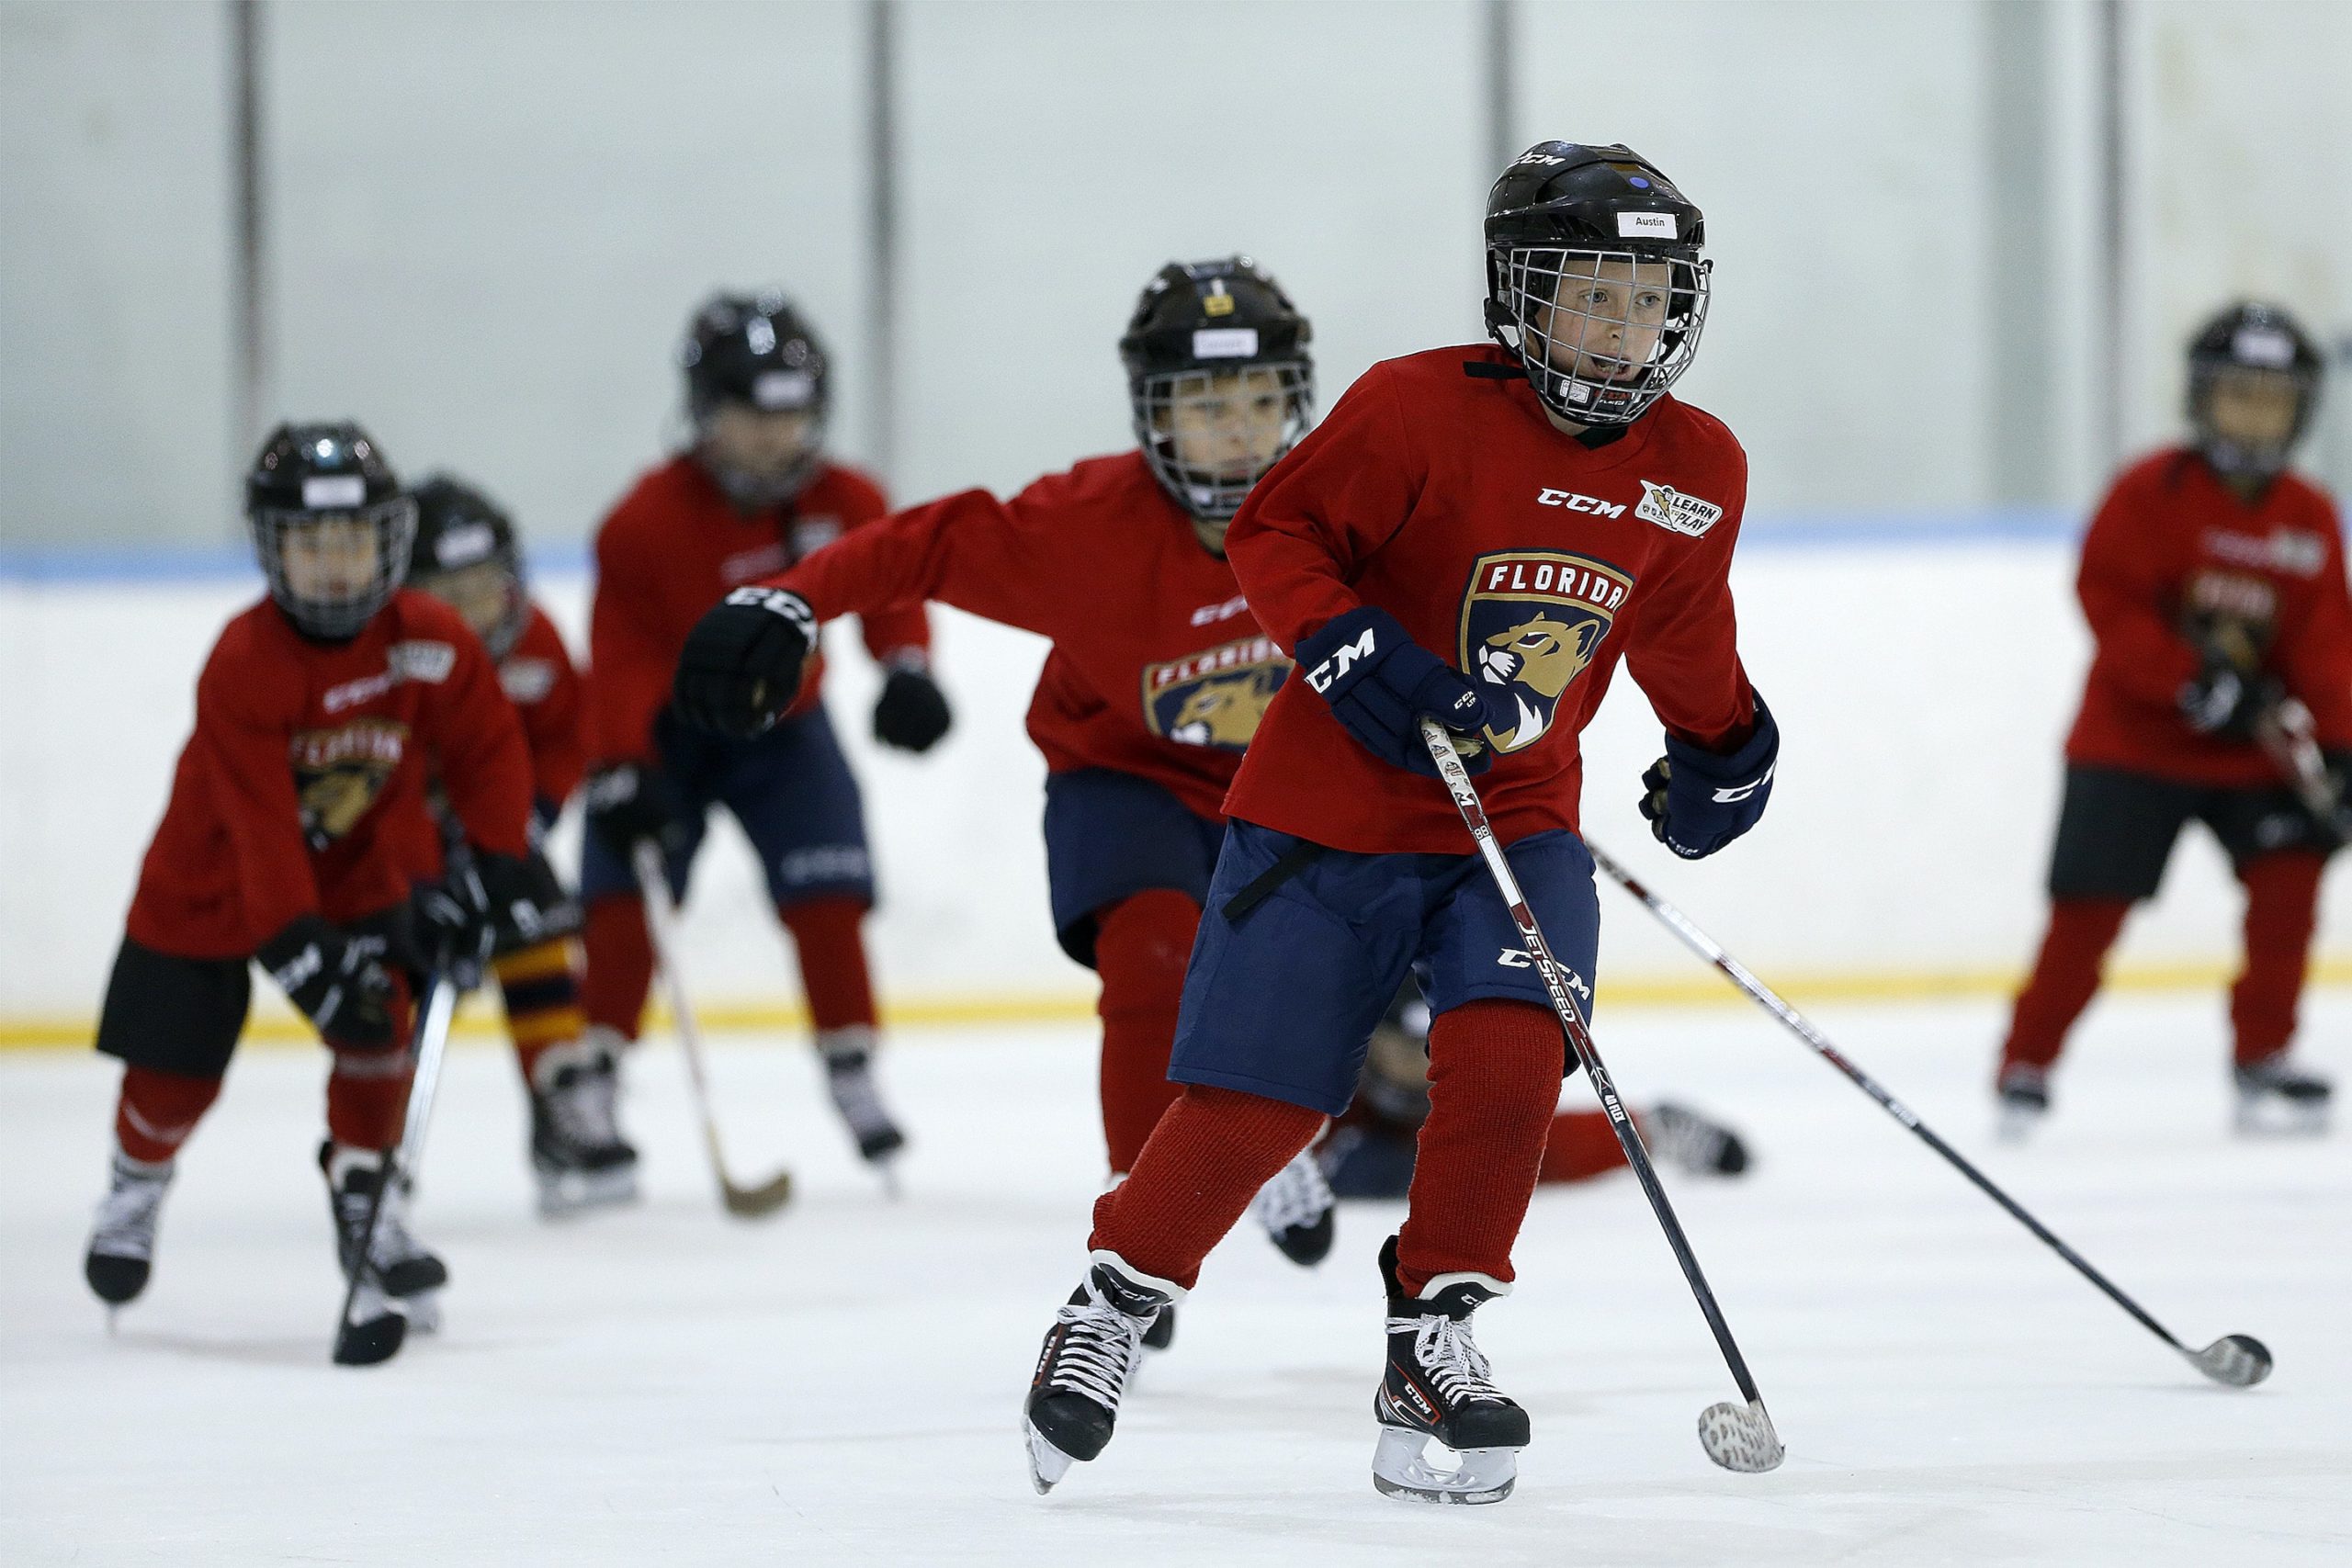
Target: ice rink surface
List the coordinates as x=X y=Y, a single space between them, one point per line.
x=840 y=1384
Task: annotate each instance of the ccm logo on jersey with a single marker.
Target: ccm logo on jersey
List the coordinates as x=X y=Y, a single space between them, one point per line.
x=1331 y=669
x=1574 y=502
x=1678 y=512
x=412 y=660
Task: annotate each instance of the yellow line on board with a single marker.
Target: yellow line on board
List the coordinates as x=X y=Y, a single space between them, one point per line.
x=481 y=1019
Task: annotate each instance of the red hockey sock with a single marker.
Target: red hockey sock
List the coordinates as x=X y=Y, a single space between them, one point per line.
x=367 y=1096
x=1197 y=1172
x=1581 y=1144
x=1141 y=946
x=1494 y=1082
x=540 y=987
x=619 y=962
x=2282 y=906
x=156 y=1111
x=2065 y=976
x=828 y=935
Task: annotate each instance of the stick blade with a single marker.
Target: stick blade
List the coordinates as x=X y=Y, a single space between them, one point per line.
x=371 y=1342
x=757 y=1202
x=2238 y=1359
x=1740 y=1436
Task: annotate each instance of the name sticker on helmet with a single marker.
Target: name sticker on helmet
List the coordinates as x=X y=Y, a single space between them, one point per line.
x=783 y=388
x=2261 y=345
x=333 y=489
x=1225 y=342
x=1647 y=226
x=464 y=544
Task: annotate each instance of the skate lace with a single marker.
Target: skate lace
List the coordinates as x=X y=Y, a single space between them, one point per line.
x=394 y=1244
x=126 y=1225
x=1445 y=1351
x=584 y=1111
x=1098 y=1352
x=856 y=1098
x=1296 y=1195
x=1684 y=1138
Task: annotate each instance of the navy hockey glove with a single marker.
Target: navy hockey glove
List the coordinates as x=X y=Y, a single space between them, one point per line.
x=742 y=662
x=911 y=713
x=527 y=905
x=629 y=801
x=1381 y=685
x=336 y=979
x=1697 y=801
x=2226 y=703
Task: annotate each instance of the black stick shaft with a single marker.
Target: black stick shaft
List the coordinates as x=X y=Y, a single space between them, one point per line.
x=1564 y=1004
x=431 y=1038
x=1771 y=1001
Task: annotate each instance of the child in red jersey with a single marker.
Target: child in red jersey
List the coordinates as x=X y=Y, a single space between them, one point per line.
x=465 y=555
x=297 y=821
x=1536 y=511
x=1156 y=677
x=2213 y=581
x=752 y=496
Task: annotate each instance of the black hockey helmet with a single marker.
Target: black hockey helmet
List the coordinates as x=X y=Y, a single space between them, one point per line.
x=466 y=553
x=1196 y=322
x=330 y=525
x=2251 y=338
x=755 y=351
x=1563 y=212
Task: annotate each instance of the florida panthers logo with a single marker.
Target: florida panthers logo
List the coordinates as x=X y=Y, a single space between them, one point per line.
x=1531 y=622
x=1217 y=697
x=339 y=773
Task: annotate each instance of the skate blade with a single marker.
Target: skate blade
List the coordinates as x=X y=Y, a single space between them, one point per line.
x=2257 y=1120
x=1047 y=1464
x=573 y=1192
x=423 y=1311
x=2016 y=1126
x=1479 y=1475
x=2238 y=1359
x=1740 y=1436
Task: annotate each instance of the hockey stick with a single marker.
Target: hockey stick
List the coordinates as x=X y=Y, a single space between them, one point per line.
x=1735 y=1437
x=2286 y=733
x=376 y=1339
x=662 y=921
x=2237 y=1360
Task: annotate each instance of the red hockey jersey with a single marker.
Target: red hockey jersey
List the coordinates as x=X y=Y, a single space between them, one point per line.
x=537 y=676
x=2171 y=539
x=671 y=550
x=1449 y=502
x=1156 y=668
x=302 y=789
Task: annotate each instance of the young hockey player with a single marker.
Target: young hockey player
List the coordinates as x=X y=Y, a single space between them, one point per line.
x=1537 y=511
x=296 y=825
x=753 y=494
x=2213 y=581
x=466 y=556
x=1370 y=1153
x=1158 y=673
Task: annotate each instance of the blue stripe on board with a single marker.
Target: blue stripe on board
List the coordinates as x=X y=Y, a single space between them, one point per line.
x=186 y=563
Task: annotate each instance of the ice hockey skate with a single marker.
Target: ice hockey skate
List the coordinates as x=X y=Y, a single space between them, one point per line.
x=407 y=1272
x=1694 y=1142
x=1438 y=1385
x=122 y=1242
x=849 y=1078
x=2276 y=1098
x=1296 y=1209
x=1082 y=1371
x=2024 y=1093
x=578 y=1156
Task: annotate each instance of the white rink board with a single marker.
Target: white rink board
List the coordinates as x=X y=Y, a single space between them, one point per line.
x=840 y=1385
x=1923 y=689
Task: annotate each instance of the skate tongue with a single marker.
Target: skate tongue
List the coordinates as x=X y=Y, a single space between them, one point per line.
x=2239 y=1360
x=1740 y=1436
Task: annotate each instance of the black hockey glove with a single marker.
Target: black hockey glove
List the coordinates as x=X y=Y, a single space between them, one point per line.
x=1381 y=685
x=1697 y=801
x=911 y=713
x=629 y=801
x=743 y=661
x=336 y=979
x=528 y=904
x=450 y=923
x=2226 y=703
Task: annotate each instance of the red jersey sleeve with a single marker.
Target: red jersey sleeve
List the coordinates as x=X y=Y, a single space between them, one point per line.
x=1684 y=650
x=1000 y=561
x=890 y=628
x=2126 y=584
x=2316 y=652
x=239 y=745
x=629 y=665
x=1339 y=496
x=480 y=756
x=552 y=722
